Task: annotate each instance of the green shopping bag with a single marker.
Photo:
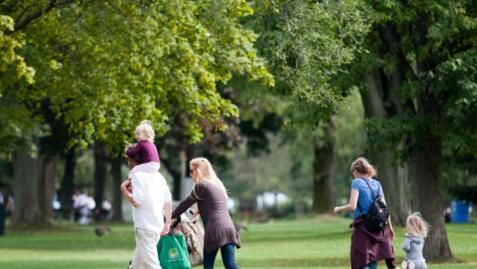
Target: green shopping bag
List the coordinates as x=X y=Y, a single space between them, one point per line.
x=172 y=251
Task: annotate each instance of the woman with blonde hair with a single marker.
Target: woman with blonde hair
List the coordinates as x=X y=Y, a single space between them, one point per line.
x=367 y=247
x=211 y=197
x=415 y=233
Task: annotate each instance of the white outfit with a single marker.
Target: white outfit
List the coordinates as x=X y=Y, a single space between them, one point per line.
x=151 y=192
x=84 y=204
x=145 y=255
x=150 y=167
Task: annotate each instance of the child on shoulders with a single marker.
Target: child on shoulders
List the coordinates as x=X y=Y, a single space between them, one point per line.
x=144 y=151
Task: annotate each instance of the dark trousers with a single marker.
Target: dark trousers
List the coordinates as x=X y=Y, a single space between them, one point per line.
x=2 y=219
x=228 y=257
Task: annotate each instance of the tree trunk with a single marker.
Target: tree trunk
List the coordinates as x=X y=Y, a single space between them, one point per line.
x=181 y=186
x=117 y=195
x=427 y=165
x=25 y=176
x=176 y=178
x=67 y=184
x=47 y=165
x=100 y=159
x=393 y=178
x=322 y=169
x=378 y=100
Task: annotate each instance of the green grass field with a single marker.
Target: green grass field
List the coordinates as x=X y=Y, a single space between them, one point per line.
x=304 y=243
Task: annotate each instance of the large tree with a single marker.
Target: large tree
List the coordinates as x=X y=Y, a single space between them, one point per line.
x=422 y=63
x=257 y=120
x=308 y=44
x=417 y=73
x=108 y=65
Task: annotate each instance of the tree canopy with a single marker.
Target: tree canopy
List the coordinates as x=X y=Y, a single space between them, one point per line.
x=104 y=66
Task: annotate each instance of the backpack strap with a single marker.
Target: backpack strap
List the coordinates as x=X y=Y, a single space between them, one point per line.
x=359 y=207
x=369 y=186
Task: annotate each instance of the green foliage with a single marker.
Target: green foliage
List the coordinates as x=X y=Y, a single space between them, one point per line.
x=12 y=65
x=350 y=143
x=253 y=175
x=432 y=42
x=13 y=70
x=459 y=177
x=261 y=114
x=108 y=65
x=309 y=44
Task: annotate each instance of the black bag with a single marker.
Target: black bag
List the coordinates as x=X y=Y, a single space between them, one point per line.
x=377 y=217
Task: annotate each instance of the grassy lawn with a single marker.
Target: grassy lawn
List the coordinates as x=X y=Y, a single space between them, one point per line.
x=304 y=243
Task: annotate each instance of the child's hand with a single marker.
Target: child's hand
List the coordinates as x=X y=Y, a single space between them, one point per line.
x=127 y=148
x=129 y=186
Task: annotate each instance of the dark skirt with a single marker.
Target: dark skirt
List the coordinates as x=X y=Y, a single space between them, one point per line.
x=370 y=246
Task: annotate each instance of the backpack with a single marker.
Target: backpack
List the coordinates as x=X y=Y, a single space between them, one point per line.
x=376 y=219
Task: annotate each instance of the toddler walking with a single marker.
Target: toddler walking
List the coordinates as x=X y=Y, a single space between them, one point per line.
x=415 y=233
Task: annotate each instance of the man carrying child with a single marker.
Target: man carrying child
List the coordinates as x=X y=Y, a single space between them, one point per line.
x=150 y=198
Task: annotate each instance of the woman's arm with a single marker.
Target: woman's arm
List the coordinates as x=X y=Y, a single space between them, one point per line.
x=390 y=225
x=351 y=205
x=193 y=197
x=183 y=206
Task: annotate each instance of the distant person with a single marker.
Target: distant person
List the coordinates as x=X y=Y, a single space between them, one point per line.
x=8 y=201
x=2 y=211
x=448 y=215
x=414 y=237
x=106 y=209
x=151 y=202
x=367 y=248
x=211 y=196
x=83 y=204
x=76 y=210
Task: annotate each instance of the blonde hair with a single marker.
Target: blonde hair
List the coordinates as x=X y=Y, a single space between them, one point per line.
x=205 y=172
x=416 y=225
x=144 y=131
x=362 y=166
